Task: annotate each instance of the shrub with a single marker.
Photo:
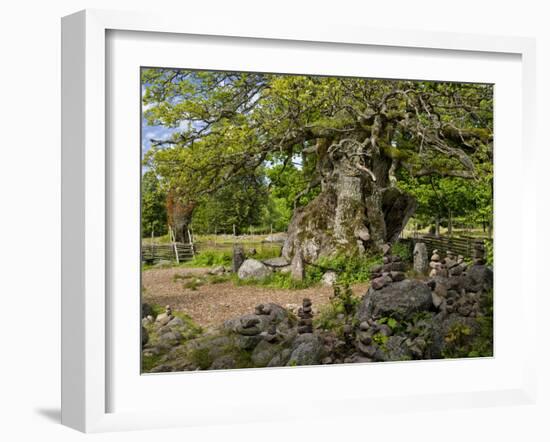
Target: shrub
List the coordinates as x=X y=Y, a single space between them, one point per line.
x=340 y=311
x=210 y=258
x=276 y=280
x=350 y=270
x=403 y=250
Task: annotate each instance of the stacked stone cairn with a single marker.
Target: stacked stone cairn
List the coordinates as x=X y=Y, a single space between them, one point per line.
x=391 y=270
x=454 y=285
x=451 y=265
x=167 y=328
x=365 y=343
x=305 y=324
x=437 y=265
x=166 y=317
x=249 y=326
x=479 y=254
x=270 y=335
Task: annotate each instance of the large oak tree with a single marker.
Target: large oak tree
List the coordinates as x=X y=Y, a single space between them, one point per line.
x=355 y=135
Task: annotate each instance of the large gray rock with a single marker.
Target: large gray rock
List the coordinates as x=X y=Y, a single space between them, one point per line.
x=420 y=254
x=307 y=349
x=297 y=269
x=329 y=278
x=444 y=333
x=479 y=277
x=276 y=262
x=264 y=353
x=395 y=349
x=252 y=268
x=399 y=300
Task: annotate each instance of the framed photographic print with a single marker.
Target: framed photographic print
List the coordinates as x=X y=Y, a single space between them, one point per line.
x=249 y=211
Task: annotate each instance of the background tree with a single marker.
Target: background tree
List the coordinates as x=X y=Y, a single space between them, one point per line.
x=153 y=206
x=354 y=134
x=240 y=203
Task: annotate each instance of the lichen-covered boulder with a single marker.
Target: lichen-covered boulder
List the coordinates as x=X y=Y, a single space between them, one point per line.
x=479 y=277
x=307 y=349
x=420 y=260
x=263 y=353
x=253 y=269
x=452 y=335
x=399 y=300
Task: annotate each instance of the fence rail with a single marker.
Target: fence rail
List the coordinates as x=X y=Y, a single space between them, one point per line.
x=152 y=253
x=459 y=245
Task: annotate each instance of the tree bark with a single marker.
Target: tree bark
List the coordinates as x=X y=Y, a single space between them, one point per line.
x=179 y=217
x=352 y=214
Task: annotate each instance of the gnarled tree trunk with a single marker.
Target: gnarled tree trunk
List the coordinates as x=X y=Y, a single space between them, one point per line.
x=179 y=216
x=354 y=212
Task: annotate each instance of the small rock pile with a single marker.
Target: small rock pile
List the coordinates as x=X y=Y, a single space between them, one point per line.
x=437 y=266
x=460 y=287
x=249 y=326
x=168 y=331
x=369 y=330
x=391 y=270
x=479 y=254
x=451 y=265
x=270 y=335
x=305 y=324
x=465 y=304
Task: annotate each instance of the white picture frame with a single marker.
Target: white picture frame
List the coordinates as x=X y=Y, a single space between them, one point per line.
x=86 y=317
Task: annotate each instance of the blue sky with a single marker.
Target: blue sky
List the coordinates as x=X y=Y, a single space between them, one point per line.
x=159 y=132
x=153 y=132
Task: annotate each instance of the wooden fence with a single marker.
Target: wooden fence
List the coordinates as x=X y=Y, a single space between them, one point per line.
x=459 y=245
x=152 y=253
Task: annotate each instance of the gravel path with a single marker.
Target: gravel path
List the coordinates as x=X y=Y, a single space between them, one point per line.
x=211 y=304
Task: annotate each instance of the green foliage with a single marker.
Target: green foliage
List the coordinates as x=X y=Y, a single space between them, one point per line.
x=349 y=270
x=278 y=280
x=461 y=343
x=380 y=340
x=456 y=340
x=210 y=258
x=247 y=148
x=192 y=329
x=390 y=322
x=240 y=202
x=290 y=184
x=403 y=250
x=276 y=214
x=149 y=361
x=200 y=356
x=340 y=311
x=465 y=201
x=153 y=206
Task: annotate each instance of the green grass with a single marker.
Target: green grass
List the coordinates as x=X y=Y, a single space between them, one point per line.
x=191 y=325
x=148 y=362
x=277 y=281
x=350 y=270
x=210 y=258
x=341 y=310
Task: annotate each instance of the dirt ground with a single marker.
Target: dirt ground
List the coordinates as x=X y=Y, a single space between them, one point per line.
x=211 y=304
